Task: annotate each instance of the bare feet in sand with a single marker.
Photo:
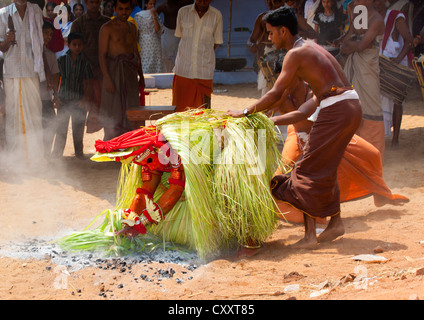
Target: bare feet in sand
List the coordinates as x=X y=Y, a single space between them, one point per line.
x=305 y=243
x=334 y=230
x=380 y=201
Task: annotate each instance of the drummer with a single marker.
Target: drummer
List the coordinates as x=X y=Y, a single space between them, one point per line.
x=396 y=45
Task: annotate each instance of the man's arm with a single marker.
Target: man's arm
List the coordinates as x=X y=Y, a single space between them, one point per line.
x=135 y=50
x=279 y=90
x=256 y=35
x=403 y=29
x=350 y=46
x=103 y=49
x=305 y=30
x=304 y=111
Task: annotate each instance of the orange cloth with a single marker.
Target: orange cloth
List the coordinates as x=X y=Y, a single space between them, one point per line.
x=373 y=132
x=190 y=93
x=360 y=172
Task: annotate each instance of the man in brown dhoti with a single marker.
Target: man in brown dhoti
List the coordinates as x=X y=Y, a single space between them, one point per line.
x=120 y=65
x=312 y=184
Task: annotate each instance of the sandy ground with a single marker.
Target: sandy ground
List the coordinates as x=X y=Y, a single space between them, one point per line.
x=64 y=196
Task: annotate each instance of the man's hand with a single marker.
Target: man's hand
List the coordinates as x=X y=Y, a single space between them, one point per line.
x=110 y=87
x=235 y=113
x=10 y=37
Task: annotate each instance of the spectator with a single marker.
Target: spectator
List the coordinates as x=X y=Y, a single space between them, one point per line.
x=75 y=73
x=23 y=70
x=259 y=44
x=48 y=90
x=396 y=45
x=329 y=24
x=78 y=9
x=2 y=111
x=169 y=41
x=80 y=2
x=200 y=28
x=89 y=25
x=57 y=43
x=108 y=8
x=120 y=65
x=363 y=71
x=149 y=38
x=305 y=30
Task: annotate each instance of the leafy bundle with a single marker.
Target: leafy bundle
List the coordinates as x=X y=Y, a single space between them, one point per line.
x=228 y=164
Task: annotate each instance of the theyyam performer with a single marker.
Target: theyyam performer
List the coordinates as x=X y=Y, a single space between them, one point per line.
x=197 y=179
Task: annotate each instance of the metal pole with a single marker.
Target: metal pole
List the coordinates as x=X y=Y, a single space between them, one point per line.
x=229 y=28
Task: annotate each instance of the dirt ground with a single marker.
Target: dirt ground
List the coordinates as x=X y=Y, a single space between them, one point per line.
x=66 y=195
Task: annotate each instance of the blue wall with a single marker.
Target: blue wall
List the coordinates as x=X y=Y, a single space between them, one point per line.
x=244 y=15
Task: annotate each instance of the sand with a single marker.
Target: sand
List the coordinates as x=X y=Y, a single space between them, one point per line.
x=41 y=205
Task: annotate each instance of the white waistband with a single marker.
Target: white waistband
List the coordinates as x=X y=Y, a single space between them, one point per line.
x=349 y=94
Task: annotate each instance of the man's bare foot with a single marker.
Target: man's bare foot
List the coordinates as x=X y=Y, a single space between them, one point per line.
x=380 y=201
x=334 y=230
x=305 y=243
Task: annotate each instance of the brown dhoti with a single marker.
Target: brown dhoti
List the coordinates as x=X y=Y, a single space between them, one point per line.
x=113 y=112
x=312 y=184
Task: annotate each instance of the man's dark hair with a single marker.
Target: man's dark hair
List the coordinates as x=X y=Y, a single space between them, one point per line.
x=282 y=17
x=74 y=36
x=115 y=2
x=47 y=25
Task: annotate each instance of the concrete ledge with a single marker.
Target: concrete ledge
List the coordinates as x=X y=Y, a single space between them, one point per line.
x=164 y=80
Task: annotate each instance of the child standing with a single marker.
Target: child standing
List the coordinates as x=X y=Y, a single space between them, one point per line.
x=48 y=90
x=75 y=72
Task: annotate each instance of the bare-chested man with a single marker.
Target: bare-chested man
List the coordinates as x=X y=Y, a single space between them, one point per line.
x=120 y=64
x=312 y=184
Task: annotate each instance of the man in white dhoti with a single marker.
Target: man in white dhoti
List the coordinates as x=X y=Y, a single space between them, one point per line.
x=23 y=70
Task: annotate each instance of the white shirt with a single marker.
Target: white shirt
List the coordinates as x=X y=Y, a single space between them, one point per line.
x=19 y=58
x=196 y=54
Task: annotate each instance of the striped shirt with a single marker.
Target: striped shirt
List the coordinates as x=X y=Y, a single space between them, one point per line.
x=72 y=74
x=196 y=54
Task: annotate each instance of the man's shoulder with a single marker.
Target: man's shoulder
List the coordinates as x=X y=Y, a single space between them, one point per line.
x=7 y=9
x=215 y=11
x=35 y=7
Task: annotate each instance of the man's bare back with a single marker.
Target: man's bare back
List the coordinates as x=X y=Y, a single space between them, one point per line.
x=325 y=74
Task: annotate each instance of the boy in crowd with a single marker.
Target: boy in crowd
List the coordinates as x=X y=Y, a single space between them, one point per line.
x=48 y=89
x=75 y=72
